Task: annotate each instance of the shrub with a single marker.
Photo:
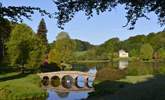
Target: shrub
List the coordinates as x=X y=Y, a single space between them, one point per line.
x=109 y=73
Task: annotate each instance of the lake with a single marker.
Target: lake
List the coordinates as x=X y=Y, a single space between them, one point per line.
x=132 y=68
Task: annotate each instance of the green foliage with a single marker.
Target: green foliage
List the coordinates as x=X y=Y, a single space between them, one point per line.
x=62 y=35
x=82 y=45
x=138 y=68
x=161 y=53
x=19 y=44
x=135 y=9
x=109 y=49
x=62 y=49
x=146 y=52
x=24 y=48
x=5 y=30
x=134 y=53
x=41 y=32
x=133 y=44
x=37 y=54
x=109 y=73
x=16 y=13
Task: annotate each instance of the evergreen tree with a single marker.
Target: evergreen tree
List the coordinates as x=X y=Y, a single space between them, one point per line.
x=41 y=32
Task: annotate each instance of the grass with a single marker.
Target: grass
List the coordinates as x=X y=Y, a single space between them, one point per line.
x=24 y=87
x=136 y=79
x=144 y=87
x=4 y=75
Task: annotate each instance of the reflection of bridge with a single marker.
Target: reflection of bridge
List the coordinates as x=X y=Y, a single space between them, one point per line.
x=74 y=88
x=73 y=77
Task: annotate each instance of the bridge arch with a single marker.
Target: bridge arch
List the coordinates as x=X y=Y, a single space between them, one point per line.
x=80 y=81
x=45 y=80
x=55 y=81
x=67 y=81
x=90 y=81
x=70 y=77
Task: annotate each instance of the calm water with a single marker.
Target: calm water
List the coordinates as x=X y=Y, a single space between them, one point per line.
x=93 y=68
x=54 y=95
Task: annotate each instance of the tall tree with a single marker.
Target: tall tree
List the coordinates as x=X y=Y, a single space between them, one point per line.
x=19 y=46
x=23 y=47
x=37 y=53
x=146 y=52
x=5 y=30
x=62 y=49
x=41 y=32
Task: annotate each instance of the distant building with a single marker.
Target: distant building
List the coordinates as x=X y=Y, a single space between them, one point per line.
x=123 y=54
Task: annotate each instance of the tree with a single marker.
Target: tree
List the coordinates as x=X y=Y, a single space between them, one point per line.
x=24 y=52
x=135 y=9
x=134 y=53
x=16 y=13
x=19 y=46
x=37 y=54
x=146 y=52
x=109 y=48
x=82 y=45
x=161 y=52
x=41 y=32
x=158 y=41
x=62 y=50
x=5 y=30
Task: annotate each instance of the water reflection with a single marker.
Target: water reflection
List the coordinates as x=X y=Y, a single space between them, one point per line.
x=80 y=81
x=90 y=82
x=131 y=68
x=54 y=95
x=70 y=89
x=92 y=71
x=123 y=63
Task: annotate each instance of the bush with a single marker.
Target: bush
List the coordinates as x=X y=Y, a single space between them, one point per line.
x=50 y=67
x=135 y=69
x=109 y=73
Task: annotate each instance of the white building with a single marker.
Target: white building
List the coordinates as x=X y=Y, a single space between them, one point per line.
x=123 y=54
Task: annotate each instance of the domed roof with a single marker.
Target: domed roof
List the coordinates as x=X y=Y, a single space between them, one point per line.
x=62 y=35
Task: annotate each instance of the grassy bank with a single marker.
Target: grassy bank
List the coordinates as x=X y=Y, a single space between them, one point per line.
x=20 y=86
x=145 y=87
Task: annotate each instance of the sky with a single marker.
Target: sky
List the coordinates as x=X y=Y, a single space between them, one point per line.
x=96 y=30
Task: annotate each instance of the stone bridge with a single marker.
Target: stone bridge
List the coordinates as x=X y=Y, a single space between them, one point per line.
x=74 y=75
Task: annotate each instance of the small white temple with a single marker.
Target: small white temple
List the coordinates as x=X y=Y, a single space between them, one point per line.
x=123 y=54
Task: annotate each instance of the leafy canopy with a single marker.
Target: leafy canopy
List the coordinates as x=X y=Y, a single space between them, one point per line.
x=16 y=13
x=135 y=9
x=146 y=51
x=24 y=48
x=62 y=49
x=66 y=10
